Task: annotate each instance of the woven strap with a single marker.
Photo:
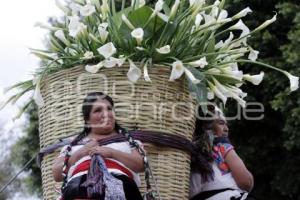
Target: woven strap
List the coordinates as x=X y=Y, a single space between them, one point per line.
x=157 y=138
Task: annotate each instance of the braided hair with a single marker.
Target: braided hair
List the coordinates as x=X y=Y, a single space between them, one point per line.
x=87 y=106
x=201 y=162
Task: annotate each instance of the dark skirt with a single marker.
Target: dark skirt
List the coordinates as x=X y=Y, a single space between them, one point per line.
x=75 y=191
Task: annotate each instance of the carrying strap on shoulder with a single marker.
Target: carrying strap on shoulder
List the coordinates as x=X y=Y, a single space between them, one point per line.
x=150 y=194
x=207 y=194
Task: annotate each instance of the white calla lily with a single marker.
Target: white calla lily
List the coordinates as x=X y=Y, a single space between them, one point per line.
x=164 y=50
x=254 y=79
x=140 y=48
x=37 y=96
x=253 y=55
x=210 y=95
x=174 y=9
x=266 y=23
x=223 y=15
x=198 y=20
x=107 y=50
x=199 y=63
x=46 y=26
x=104 y=9
x=112 y=62
x=177 y=70
x=238 y=91
x=217 y=92
x=240 y=101
x=134 y=72
x=191 y=77
x=127 y=22
x=208 y=19
x=75 y=8
x=75 y=26
x=87 y=10
x=240 y=26
x=103 y=33
x=62 y=7
x=294 y=81
x=88 y=55
x=138 y=34
x=93 y=68
x=242 y=13
x=158 y=6
x=146 y=74
x=61 y=36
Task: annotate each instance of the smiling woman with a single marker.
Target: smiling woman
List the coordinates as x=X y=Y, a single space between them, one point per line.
x=123 y=162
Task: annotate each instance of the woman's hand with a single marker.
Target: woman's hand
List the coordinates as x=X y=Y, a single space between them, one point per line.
x=85 y=150
x=105 y=152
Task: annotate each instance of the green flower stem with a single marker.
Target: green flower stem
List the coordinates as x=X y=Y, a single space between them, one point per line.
x=262 y=64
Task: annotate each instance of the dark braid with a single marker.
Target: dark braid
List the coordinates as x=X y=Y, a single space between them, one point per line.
x=201 y=162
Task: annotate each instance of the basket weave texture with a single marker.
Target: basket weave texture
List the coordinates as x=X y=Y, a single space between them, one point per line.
x=158 y=105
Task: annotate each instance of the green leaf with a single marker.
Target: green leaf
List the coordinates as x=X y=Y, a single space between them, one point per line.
x=139 y=18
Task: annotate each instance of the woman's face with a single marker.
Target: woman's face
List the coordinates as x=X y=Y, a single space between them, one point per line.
x=220 y=127
x=102 y=117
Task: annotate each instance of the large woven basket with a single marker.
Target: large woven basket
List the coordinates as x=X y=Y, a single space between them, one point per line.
x=160 y=105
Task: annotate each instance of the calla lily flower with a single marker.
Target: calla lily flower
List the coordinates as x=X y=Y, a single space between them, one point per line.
x=217 y=92
x=208 y=19
x=242 y=13
x=37 y=96
x=240 y=101
x=61 y=36
x=253 y=55
x=238 y=91
x=198 y=20
x=127 y=22
x=46 y=26
x=223 y=15
x=190 y=76
x=138 y=34
x=266 y=23
x=199 y=63
x=196 y=4
x=177 y=70
x=104 y=9
x=164 y=49
x=134 y=72
x=294 y=81
x=158 y=6
x=93 y=68
x=75 y=8
x=75 y=26
x=146 y=74
x=107 y=50
x=254 y=79
x=87 y=10
x=65 y=9
x=88 y=55
x=140 y=48
x=112 y=62
x=102 y=28
x=210 y=95
x=174 y=9
x=240 y=26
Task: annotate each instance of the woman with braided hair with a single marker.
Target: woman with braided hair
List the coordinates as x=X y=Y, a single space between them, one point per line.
x=122 y=161
x=230 y=179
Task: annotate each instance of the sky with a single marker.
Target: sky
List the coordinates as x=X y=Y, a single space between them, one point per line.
x=17 y=35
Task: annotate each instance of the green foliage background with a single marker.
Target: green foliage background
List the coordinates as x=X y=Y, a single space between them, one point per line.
x=270 y=147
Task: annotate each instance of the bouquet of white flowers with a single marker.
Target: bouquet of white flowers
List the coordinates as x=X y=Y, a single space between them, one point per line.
x=194 y=38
